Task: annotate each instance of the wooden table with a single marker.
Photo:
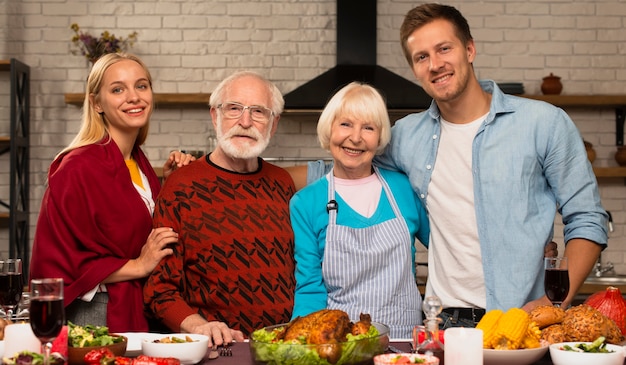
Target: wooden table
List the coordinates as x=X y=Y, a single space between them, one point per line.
x=241 y=355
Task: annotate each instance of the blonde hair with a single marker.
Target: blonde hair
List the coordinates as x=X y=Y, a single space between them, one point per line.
x=218 y=95
x=358 y=100
x=94 y=127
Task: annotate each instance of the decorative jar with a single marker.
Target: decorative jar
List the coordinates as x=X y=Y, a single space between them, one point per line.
x=620 y=155
x=551 y=85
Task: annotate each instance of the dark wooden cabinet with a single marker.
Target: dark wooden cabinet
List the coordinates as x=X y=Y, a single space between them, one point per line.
x=17 y=144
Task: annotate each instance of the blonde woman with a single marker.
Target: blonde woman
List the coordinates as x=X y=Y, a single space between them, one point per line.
x=95 y=225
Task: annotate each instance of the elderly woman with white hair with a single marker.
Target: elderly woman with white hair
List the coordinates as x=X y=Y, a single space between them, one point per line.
x=355 y=229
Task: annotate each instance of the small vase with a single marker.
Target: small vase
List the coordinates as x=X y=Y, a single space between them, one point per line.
x=551 y=85
x=591 y=153
x=620 y=155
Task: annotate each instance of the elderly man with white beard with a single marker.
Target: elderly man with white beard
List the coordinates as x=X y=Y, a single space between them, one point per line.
x=232 y=270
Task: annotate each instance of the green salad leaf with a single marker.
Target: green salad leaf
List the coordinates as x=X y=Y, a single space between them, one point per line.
x=597 y=346
x=32 y=358
x=272 y=352
x=89 y=335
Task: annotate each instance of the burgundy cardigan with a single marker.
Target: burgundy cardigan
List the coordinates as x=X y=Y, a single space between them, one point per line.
x=92 y=221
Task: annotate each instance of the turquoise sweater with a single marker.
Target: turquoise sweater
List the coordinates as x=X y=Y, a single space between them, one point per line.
x=310 y=219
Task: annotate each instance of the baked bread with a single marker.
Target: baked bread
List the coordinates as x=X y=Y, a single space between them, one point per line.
x=585 y=323
x=554 y=334
x=547 y=315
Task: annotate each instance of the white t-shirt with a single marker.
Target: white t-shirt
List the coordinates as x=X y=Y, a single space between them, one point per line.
x=455 y=271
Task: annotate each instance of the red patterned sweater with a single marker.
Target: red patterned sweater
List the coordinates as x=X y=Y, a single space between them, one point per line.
x=234 y=260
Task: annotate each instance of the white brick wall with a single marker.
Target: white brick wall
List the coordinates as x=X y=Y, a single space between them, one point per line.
x=191 y=45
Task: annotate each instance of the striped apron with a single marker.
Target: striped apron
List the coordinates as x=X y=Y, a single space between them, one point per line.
x=370 y=270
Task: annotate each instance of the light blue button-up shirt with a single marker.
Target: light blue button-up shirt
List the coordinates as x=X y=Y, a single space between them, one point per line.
x=529 y=162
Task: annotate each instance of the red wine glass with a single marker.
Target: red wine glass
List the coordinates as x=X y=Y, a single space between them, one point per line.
x=11 y=285
x=47 y=313
x=556 y=280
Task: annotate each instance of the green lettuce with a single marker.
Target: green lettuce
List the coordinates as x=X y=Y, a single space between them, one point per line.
x=356 y=349
x=89 y=335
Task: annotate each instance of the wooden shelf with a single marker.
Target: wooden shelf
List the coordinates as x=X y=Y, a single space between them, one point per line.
x=202 y=99
x=5 y=65
x=581 y=101
x=196 y=100
x=610 y=171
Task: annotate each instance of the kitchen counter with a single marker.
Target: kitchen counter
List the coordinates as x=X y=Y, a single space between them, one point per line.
x=588 y=287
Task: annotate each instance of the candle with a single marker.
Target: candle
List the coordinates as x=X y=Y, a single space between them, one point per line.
x=464 y=346
x=19 y=337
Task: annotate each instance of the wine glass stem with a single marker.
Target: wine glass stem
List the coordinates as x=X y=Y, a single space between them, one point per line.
x=47 y=347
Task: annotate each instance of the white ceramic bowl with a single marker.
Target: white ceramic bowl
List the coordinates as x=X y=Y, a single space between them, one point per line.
x=563 y=357
x=390 y=359
x=187 y=352
x=513 y=357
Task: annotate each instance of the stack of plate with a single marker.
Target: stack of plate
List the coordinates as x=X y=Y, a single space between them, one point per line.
x=516 y=88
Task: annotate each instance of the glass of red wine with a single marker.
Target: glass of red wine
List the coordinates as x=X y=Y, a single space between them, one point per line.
x=11 y=285
x=47 y=313
x=556 y=280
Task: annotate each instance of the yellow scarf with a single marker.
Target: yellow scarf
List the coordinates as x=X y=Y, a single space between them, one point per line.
x=135 y=175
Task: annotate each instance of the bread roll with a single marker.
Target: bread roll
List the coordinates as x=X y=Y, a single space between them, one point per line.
x=554 y=334
x=547 y=315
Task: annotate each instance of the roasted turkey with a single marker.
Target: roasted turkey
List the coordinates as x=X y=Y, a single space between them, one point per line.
x=326 y=328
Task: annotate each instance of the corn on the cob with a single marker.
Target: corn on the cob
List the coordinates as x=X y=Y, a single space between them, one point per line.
x=511 y=330
x=533 y=335
x=489 y=324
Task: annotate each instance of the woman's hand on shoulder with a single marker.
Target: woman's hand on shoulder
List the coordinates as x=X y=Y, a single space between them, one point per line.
x=156 y=248
x=152 y=252
x=175 y=160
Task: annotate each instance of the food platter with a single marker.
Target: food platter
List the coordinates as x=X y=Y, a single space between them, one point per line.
x=513 y=357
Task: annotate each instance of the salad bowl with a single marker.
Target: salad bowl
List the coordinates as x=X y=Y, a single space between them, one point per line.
x=560 y=356
x=76 y=355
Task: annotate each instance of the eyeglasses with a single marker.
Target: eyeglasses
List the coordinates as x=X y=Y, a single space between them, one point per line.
x=234 y=110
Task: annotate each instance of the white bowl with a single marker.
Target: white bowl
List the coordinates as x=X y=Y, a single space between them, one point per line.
x=390 y=359
x=187 y=352
x=563 y=357
x=513 y=357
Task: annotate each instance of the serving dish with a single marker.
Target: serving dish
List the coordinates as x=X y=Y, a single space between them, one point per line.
x=76 y=355
x=513 y=357
x=563 y=357
x=358 y=352
x=391 y=359
x=187 y=352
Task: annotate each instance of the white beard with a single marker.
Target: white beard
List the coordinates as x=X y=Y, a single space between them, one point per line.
x=252 y=149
